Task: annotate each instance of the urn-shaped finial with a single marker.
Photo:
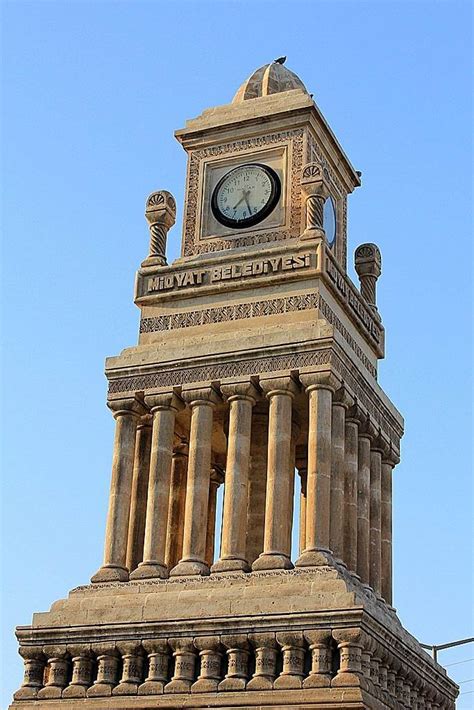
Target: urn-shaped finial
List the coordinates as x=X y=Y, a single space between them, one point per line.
x=368 y=264
x=160 y=213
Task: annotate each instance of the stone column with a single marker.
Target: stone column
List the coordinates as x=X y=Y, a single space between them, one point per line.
x=177 y=502
x=340 y=403
x=58 y=665
x=350 y=488
x=302 y=468
x=210 y=653
x=315 y=192
x=81 y=671
x=293 y=652
x=349 y=643
x=237 y=649
x=375 y=516
x=366 y=433
x=320 y=674
x=388 y=462
x=160 y=213
x=257 y=483
x=320 y=387
x=241 y=397
x=184 y=654
x=193 y=561
x=158 y=663
x=132 y=668
x=107 y=671
x=217 y=478
x=141 y=468
x=126 y=413
x=265 y=661
x=276 y=554
x=368 y=264
x=163 y=409
x=34 y=663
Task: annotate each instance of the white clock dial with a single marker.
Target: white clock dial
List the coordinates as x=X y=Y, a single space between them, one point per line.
x=246 y=195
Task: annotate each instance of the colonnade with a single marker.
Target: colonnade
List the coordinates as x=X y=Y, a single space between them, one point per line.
x=162 y=506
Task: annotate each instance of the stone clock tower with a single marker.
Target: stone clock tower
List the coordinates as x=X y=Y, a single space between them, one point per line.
x=256 y=364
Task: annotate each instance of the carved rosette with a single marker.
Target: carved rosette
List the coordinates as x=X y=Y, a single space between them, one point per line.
x=160 y=213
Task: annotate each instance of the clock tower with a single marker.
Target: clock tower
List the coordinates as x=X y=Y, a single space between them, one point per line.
x=249 y=406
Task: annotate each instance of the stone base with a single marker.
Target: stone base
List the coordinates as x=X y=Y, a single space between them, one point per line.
x=315 y=558
x=272 y=561
x=232 y=684
x=187 y=568
x=75 y=691
x=125 y=689
x=110 y=574
x=149 y=570
x=226 y=565
x=151 y=687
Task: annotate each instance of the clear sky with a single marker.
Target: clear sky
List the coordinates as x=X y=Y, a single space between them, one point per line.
x=92 y=92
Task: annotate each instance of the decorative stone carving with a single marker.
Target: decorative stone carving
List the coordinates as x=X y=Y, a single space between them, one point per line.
x=210 y=653
x=349 y=643
x=160 y=213
x=132 y=668
x=107 y=671
x=315 y=192
x=34 y=662
x=321 y=657
x=292 y=647
x=82 y=666
x=158 y=664
x=58 y=664
x=184 y=653
x=265 y=661
x=368 y=264
x=237 y=649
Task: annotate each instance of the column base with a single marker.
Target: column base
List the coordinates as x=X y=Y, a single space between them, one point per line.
x=125 y=689
x=272 y=560
x=110 y=573
x=317 y=680
x=187 y=568
x=151 y=687
x=50 y=692
x=205 y=685
x=75 y=691
x=150 y=570
x=26 y=693
x=229 y=684
x=231 y=565
x=315 y=558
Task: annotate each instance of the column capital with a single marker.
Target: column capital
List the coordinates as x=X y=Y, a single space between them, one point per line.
x=318 y=636
x=235 y=641
x=156 y=401
x=367 y=429
x=391 y=456
x=126 y=405
x=284 y=384
x=32 y=653
x=381 y=444
x=239 y=389
x=326 y=380
x=208 y=643
x=290 y=638
x=342 y=398
x=79 y=649
x=206 y=395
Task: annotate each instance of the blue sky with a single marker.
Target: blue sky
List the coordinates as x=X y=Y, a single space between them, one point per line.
x=92 y=92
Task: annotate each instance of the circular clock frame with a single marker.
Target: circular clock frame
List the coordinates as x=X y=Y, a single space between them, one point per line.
x=267 y=209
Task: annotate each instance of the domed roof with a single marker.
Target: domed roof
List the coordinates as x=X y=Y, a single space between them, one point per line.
x=270 y=79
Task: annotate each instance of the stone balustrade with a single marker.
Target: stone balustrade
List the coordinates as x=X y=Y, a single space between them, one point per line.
x=338 y=657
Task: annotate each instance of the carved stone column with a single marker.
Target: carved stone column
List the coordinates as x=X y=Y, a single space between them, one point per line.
x=160 y=213
x=177 y=502
x=126 y=413
x=349 y=643
x=375 y=516
x=302 y=468
x=292 y=647
x=193 y=561
x=321 y=657
x=34 y=663
x=141 y=468
x=58 y=665
x=315 y=192
x=132 y=668
x=366 y=433
x=257 y=483
x=158 y=663
x=210 y=653
x=241 y=397
x=368 y=264
x=107 y=671
x=265 y=661
x=184 y=654
x=276 y=554
x=81 y=671
x=388 y=462
x=350 y=488
x=340 y=403
x=320 y=388
x=217 y=478
x=237 y=649
x=163 y=408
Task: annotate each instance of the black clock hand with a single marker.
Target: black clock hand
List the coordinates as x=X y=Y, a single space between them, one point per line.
x=238 y=203
x=247 y=201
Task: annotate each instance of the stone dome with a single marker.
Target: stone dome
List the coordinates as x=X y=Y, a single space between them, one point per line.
x=270 y=79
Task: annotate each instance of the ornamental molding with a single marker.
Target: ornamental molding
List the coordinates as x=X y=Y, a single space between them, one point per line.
x=191 y=244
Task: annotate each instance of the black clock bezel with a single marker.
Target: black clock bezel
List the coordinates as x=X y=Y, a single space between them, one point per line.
x=256 y=218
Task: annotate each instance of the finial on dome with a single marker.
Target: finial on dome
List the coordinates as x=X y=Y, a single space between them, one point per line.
x=272 y=78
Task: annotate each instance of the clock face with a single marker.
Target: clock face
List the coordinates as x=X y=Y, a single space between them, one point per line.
x=245 y=195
